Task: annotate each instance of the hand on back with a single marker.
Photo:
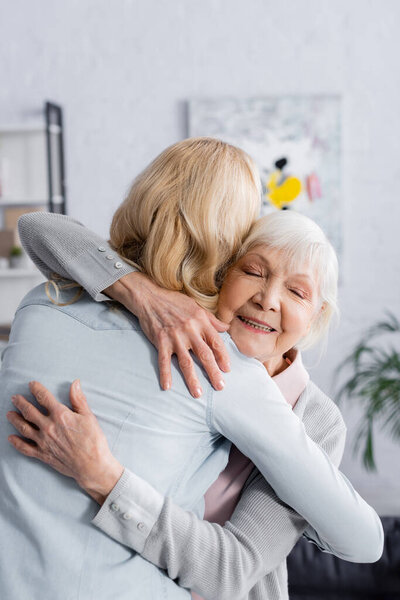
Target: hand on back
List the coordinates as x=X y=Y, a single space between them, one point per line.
x=175 y=324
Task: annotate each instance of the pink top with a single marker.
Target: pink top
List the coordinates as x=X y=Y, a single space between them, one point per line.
x=221 y=498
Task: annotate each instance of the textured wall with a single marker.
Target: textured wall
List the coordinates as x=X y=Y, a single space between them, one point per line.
x=124 y=69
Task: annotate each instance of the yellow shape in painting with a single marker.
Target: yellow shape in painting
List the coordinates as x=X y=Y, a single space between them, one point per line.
x=279 y=195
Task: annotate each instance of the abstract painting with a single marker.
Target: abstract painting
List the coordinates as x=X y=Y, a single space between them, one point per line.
x=296 y=143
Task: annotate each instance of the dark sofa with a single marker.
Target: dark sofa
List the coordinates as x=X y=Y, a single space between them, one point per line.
x=315 y=575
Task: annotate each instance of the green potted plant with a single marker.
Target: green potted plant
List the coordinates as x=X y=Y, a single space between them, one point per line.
x=17 y=258
x=374 y=381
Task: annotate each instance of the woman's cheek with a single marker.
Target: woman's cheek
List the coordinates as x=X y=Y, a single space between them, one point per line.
x=225 y=314
x=290 y=328
x=302 y=321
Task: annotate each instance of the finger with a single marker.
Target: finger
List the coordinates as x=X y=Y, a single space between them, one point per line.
x=24 y=447
x=186 y=365
x=23 y=427
x=164 y=366
x=215 y=322
x=217 y=346
x=78 y=399
x=28 y=411
x=43 y=396
x=207 y=359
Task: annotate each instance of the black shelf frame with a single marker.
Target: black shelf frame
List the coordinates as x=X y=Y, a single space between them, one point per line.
x=55 y=158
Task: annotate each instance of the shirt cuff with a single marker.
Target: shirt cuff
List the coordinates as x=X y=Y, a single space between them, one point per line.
x=130 y=511
x=99 y=266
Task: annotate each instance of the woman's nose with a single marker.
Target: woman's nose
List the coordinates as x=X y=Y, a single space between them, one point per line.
x=269 y=297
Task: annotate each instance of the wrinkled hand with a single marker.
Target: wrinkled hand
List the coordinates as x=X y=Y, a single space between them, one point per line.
x=175 y=324
x=70 y=441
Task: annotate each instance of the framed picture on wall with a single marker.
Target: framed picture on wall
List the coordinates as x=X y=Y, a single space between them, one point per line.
x=296 y=143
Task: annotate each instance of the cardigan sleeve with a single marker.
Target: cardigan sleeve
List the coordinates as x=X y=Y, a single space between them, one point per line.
x=59 y=244
x=224 y=563
x=261 y=424
x=218 y=562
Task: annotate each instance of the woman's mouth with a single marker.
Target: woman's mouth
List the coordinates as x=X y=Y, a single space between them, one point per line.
x=255 y=326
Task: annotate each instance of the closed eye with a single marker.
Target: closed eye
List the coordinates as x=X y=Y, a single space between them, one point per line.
x=299 y=294
x=254 y=274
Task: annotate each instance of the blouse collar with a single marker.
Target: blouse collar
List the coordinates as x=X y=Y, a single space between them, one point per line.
x=292 y=380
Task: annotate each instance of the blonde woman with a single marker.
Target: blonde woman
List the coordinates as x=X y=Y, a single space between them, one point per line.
x=168 y=431
x=183 y=219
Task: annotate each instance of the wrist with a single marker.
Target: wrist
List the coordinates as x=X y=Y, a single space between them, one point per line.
x=104 y=482
x=128 y=290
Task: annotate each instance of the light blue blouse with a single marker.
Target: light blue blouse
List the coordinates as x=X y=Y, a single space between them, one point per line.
x=49 y=548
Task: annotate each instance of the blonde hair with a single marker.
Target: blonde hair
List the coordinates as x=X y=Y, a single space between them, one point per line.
x=187 y=214
x=302 y=242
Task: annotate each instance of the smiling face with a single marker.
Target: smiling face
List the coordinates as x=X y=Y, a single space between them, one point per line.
x=269 y=307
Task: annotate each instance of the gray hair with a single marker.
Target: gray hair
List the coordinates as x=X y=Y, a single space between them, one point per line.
x=302 y=242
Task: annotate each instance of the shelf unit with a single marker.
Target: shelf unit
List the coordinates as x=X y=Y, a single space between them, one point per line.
x=32 y=171
x=32 y=177
x=23 y=170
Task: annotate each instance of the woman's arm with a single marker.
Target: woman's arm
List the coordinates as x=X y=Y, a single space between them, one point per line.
x=213 y=560
x=79 y=450
x=217 y=562
x=60 y=244
x=264 y=428
x=261 y=424
x=172 y=321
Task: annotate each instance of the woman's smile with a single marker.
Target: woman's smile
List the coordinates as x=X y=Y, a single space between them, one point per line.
x=255 y=325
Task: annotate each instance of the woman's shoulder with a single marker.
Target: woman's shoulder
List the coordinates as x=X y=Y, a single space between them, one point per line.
x=321 y=409
x=240 y=361
x=246 y=375
x=314 y=395
x=69 y=298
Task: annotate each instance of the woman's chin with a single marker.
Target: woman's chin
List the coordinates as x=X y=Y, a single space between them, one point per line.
x=243 y=345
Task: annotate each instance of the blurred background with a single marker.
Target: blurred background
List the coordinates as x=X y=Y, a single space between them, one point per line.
x=132 y=77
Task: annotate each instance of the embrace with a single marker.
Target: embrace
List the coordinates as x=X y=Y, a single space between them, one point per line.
x=201 y=483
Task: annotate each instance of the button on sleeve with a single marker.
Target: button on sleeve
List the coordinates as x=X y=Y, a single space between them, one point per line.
x=130 y=511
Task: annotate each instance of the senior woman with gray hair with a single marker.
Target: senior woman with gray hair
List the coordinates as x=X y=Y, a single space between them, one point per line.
x=280 y=291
